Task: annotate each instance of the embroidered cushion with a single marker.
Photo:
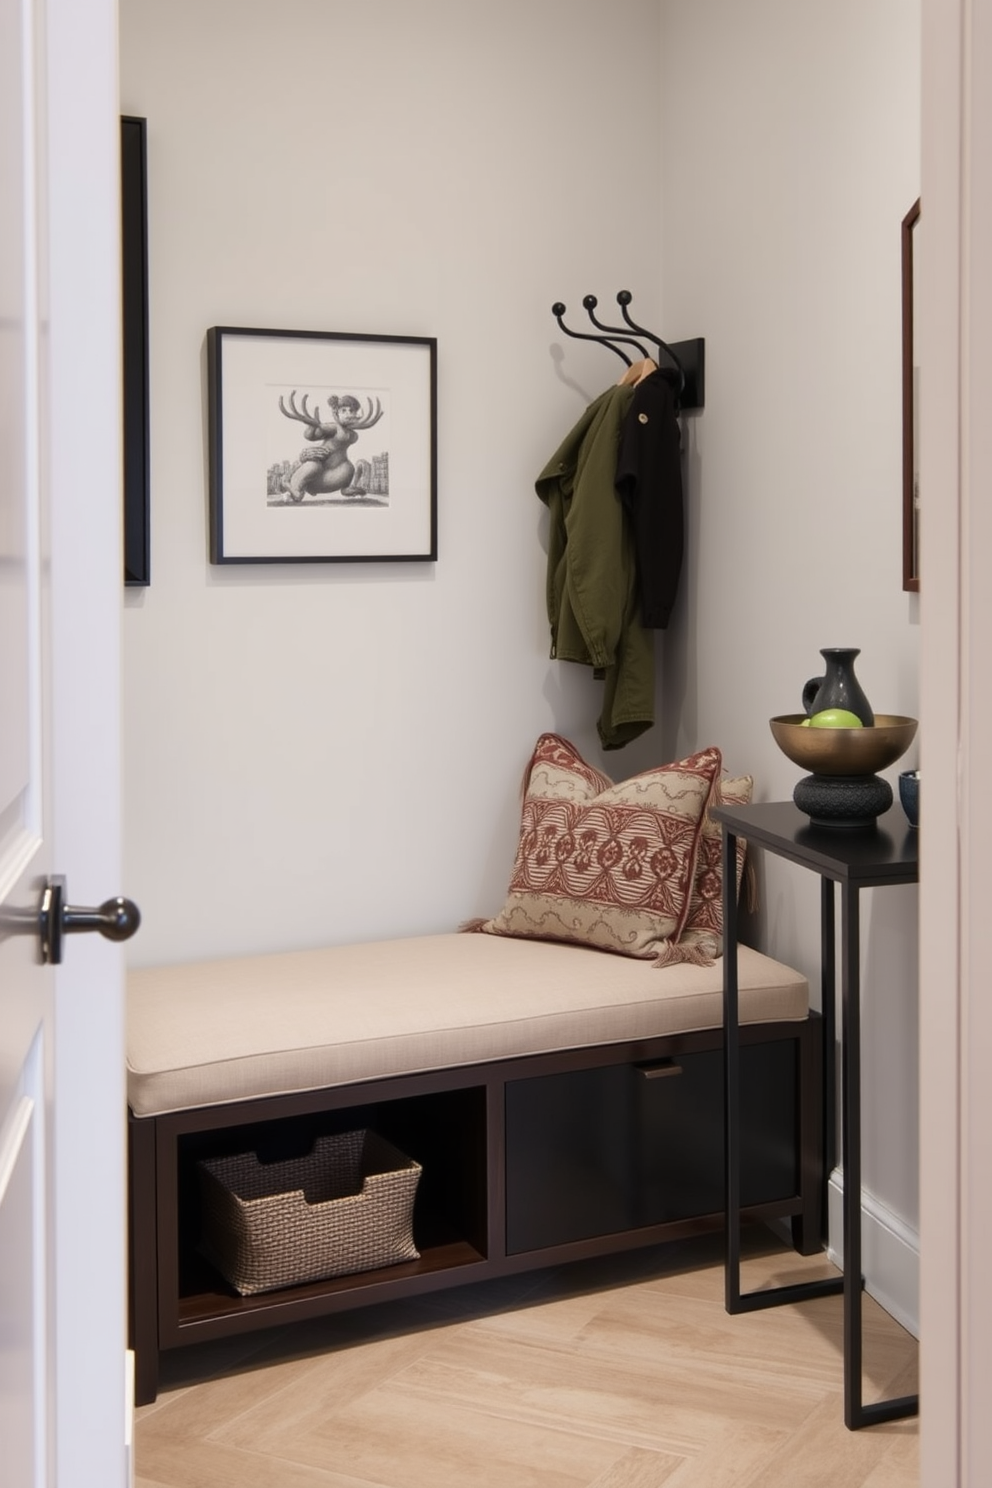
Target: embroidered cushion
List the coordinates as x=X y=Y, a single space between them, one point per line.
x=603 y=864
x=702 y=939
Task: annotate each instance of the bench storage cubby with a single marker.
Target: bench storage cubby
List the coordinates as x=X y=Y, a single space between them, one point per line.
x=273 y=1220
x=561 y=1103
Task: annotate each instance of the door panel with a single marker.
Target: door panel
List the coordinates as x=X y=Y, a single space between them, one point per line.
x=62 y=1263
x=26 y=989
x=15 y=449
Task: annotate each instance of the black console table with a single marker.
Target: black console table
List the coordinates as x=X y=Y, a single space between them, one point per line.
x=856 y=859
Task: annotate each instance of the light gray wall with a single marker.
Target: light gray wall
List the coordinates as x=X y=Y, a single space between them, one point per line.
x=791 y=154
x=327 y=754
x=334 y=753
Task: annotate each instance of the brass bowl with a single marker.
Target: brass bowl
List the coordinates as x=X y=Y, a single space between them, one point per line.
x=840 y=751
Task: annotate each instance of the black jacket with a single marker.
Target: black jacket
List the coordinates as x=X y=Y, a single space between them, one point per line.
x=649 y=483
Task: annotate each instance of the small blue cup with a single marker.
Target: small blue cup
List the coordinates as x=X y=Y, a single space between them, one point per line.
x=909 y=795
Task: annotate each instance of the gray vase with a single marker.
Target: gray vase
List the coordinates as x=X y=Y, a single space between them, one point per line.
x=839 y=687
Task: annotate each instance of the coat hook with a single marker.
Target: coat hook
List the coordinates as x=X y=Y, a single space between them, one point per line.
x=623 y=300
x=558 y=310
x=590 y=302
x=688 y=357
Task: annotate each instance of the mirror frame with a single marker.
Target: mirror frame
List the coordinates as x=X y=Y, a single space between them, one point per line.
x=910 y=415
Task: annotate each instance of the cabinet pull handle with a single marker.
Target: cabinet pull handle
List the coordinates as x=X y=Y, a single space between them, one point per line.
x=659 y=1070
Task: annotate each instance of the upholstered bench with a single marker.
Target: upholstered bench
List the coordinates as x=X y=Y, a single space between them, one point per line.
x=562 y=1102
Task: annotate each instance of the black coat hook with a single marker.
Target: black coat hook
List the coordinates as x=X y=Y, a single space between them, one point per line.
x=589 y=304
x=623 y=300
x=558 y=310
x=687 y=357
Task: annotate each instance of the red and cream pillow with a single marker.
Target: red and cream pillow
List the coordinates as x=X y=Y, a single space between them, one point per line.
x=608 y=865
x=702 y=937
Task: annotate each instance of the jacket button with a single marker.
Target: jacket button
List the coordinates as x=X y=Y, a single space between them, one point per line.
x=642 y=418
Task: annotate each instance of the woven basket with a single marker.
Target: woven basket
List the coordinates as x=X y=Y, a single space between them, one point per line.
x=347 y=1206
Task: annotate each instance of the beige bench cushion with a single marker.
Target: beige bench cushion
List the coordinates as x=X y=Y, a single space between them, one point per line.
x=213 y=1032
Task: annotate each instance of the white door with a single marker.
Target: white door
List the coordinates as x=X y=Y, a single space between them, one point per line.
x=62 y=1253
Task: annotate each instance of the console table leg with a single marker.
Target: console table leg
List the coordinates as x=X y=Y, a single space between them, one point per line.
x=828 y=1012
x=851 y=1148
x=855 y=862
x=856 y=1413
x=731 y=1082
x=734 y=1300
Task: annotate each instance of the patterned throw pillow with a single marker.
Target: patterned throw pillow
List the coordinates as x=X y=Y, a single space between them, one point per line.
x=604 y=865
x=702 y=939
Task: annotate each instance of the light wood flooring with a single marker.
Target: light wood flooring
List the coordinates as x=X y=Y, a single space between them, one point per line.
x=618 y=1373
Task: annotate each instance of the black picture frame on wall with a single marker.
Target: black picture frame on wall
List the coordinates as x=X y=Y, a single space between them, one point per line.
x=134 y=319
x=322 y=446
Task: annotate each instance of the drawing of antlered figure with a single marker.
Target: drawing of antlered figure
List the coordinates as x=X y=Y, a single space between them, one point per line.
x=324 y=466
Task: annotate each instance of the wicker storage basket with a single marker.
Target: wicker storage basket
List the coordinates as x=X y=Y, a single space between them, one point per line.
x=347 y=1206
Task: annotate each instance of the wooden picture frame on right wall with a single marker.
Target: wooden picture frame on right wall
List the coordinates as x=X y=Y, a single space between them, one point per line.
x=910 y=411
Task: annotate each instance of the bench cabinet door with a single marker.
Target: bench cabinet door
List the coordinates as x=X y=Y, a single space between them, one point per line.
x=599 y=1151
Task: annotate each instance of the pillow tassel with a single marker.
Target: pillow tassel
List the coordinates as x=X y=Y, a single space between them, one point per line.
x=672 y=954
x=472 y=927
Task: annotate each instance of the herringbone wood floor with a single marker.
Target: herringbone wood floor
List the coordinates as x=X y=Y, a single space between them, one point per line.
x=625 y=1373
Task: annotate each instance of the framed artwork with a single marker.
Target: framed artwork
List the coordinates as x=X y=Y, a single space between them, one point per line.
x=322 y=446
x=134 y=321
x=910 y=411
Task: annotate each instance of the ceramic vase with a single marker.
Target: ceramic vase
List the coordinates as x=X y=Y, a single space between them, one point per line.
x=838 y=687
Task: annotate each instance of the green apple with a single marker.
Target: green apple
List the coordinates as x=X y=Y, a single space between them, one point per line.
x=835 y=718
x=805 y=723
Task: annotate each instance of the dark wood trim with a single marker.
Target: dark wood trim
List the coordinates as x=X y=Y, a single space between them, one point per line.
x=910 y=531
x=496 y=1170
x=143 y=1276
x=213 y=1313
x=401 y=1087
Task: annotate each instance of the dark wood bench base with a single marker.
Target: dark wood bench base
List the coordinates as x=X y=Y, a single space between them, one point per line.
x=526 y=1163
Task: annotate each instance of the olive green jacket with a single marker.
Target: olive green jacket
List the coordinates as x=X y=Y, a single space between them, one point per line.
x=592 y=583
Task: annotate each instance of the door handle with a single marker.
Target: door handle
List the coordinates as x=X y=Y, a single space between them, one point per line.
x=114 y=919
x=659 y=1069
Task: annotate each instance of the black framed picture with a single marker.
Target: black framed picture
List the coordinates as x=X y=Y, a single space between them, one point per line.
x=322 y=446
x=134 y=317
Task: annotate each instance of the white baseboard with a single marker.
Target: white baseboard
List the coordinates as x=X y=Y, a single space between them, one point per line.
x=890 y=1253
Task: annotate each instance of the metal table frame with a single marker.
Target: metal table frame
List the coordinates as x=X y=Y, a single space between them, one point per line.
x=854 y=859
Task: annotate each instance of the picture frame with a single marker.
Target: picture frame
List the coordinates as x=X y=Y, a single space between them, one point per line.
x=134 y=352
x=910 y=410
x=322 y=446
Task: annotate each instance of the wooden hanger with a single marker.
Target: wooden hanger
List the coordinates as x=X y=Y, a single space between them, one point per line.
x=637 y=372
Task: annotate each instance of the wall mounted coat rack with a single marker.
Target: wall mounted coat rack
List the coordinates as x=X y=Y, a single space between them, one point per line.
x=687 y=357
